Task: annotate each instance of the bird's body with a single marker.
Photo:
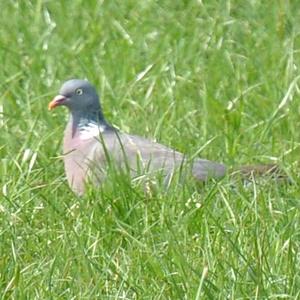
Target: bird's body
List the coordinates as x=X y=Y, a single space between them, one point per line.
x=90 y=143
x=88 y=148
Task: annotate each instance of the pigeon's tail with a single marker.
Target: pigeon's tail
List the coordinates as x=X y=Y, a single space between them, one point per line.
x=204 y=170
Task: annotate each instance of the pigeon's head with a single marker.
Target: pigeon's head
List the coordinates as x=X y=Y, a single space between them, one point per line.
x=78 y=95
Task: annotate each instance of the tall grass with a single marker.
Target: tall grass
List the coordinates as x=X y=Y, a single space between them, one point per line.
x=216 y=79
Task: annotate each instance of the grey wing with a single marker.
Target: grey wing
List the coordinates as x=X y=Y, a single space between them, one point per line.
x=148 y=156
x=138 y=154
x=141 y=155
x=160 y=157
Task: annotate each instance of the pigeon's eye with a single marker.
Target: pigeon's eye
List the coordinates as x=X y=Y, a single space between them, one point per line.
x=79 y=92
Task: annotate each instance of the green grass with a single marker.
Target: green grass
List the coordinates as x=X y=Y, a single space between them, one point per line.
x=200 y=76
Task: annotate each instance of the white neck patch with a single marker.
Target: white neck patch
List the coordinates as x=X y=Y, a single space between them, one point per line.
x=90 y=130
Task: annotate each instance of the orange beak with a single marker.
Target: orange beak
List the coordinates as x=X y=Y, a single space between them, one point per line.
x=57 y=100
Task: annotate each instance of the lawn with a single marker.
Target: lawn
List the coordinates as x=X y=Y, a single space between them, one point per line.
x=215 y=79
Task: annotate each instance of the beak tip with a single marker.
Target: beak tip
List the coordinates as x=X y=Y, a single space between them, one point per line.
x=58 y=100
x=51 y=105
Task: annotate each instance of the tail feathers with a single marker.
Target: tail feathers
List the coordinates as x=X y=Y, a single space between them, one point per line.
x=205 y=169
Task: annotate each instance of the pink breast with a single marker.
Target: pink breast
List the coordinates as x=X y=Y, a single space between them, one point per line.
x=76 y=152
